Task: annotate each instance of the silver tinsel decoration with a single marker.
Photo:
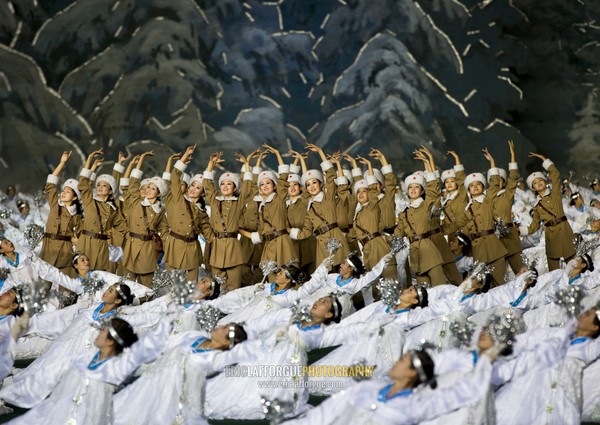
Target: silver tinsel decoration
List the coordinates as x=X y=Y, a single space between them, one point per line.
x=333 y=245
x=207 y=318
x=34 y=234
x=529 y=264
x=4 y=273
x=39 y=198
x=33 y=296
x=463 y=332
x=103 y=322
x=276 y=410
x=360 y=364
x=182 y=291
x=583 y=246
x=397 y=245
x=501 y=230
x=5 y=214
x=503 y=327
x=300 y=313
x=65 y=298
x=480 y=271
x=569 y=297
x=389 y=290
x=92 y=284
x=161 y=279
x=268 y=267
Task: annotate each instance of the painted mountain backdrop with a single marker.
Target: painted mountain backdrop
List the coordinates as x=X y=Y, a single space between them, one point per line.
x=345 y=74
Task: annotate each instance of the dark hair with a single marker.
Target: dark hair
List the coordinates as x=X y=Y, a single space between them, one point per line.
x=427 y=366
x=294 y=274
x=335 y=306
x=76 y=258
x=240 y=334
x=422 y=301
x=216 y=289
x=597 y=323
x=126 y=291
x=589 y=263
x=21 y=203
x=465 y=241
x=486 y=284
x=18 y=310
x=124 y=331
x=359 y=267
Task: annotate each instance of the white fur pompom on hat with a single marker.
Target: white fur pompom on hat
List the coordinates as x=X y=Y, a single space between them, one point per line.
x=311 y=174
x=474 y=177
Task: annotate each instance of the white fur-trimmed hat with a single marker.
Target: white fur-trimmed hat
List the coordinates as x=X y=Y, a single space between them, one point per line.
x=108 y=179
x=72 y=184
x=501 y=173
x=294 y=178
x=267 y=174
x=233 y=177
x=185 y=177
x=414 y=179
x=447 y=174
x=347 y=174
x=474 y=177
x=311 y=174
x=196 y=178
x=145 y=182
x=533 y=176
x=360 y=184
x=378 y=175
x=160 y=184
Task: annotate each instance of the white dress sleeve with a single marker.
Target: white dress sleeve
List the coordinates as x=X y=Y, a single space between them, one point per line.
x=356 y=285
x=50 y=273
x=234 y=300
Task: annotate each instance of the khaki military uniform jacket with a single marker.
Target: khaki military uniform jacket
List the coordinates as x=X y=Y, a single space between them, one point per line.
x=502 y=205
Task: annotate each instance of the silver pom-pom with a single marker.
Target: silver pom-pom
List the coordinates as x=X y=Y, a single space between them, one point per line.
x=569 y=297
x=32 y=297
x=182 y=291
x=360 y=365
x=5 y=214
x=276 y=410
x=397 y=245
x=463 y=332
x=501 y=230
x=333 y=245
x=161 y=279
x=480 y=271
x=389 y=290
x=39 y=199
x=34 y=234
x=207 y=318
x=502 y=327
x=268 y=267
x=92 y=284
x=585 y=246
x=65 y=298
x=300 y=313
x=529 y=264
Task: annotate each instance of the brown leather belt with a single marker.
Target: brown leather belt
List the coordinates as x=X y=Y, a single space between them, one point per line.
x=93 y=235
x=140 y=236
x=275 y=235
x=57 y=237
x=222 y=235
x=511 y=224
x=187 y=239
x=369 y=237
x=418 y=237
x=482 y=234
x=556 y=221
x=324 y=229
x=434 y=231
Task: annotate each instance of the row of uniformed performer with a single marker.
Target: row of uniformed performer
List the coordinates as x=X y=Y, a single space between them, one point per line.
x=556 y=365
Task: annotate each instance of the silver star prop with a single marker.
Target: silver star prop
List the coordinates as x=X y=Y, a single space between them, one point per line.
x=300 y=313
x=34 y=234
x=268 y=267
x=500 y=228
x=181 y=290
x=5 y=214
x=480 y=271
x=503 y=327
x=463 y=332
x=397 y=245
x=389 y=290
x=276 y=410
x=208 y=317
x=333 y=245
x=161 y=279
x=529 y=264
x=570 y=298
x=360 y=364
x=33 y=296
x=92 y=284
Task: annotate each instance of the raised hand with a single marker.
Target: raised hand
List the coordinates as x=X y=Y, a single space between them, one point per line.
x=187 y=156
x=65 y=157
x=537 y=155
x=122 y=158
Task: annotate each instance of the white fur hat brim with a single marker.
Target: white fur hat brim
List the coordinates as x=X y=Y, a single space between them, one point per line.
x=474 y=177
x=533 y=176
x=360 y=184
x=196 y=178
x=294 y=178
x=232 y=177
x=414 y=179
x=448 y=174
x=108 y=179
x=160 y=185
x=311 y=174
x=267 y=174
x=74 y=185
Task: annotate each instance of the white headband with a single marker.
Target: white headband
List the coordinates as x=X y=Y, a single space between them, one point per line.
x=418 y=365
x=231 y=336
x=113 y=333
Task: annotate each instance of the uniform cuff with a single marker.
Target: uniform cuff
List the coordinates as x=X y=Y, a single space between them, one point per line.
x=255 y=170
x=294 y=233
x=283 y=169
x=255 y=237
x=119 y=168
x=494 y=171
x=386 y=169
x=124 y=182
x=85 y=172
x=371 y=180
x=248 y=176
x=458 y=168
x=180 y=165
x=357 y=172
x=209 y=175
x=137 y=174
x=52 y=179
x=513 y=166
x=295 y=169
x=547 y=163
x=166 y=176
x=430 y=176
x=326 y=165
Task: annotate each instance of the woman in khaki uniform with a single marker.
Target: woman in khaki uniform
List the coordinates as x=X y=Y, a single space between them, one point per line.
x=186 y=220
x=366 y=228
x=321 y=211
x=296 y=203
x=502 y=205
x=272 y=215
x=386 y=196
x=456 y=199
x=100 y=213
x=549 y=208
x=63 y=221
x=226 y=252
x=147 y=222
x=425 y=259
x=478 y=223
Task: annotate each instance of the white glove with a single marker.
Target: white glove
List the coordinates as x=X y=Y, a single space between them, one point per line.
x=494 y=351
x=466 y=285
x=570 y=266
x=20 y=326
